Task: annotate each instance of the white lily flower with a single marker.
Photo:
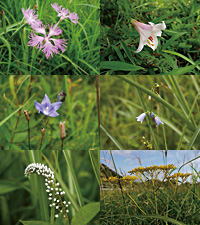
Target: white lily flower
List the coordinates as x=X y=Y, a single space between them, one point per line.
x=148 y=34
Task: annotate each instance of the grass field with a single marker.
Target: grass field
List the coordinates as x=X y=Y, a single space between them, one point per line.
x=178 y=47
x=156 y=194
x=79 y=111
x=25 y=201
x=174 y=99
x=81 y=56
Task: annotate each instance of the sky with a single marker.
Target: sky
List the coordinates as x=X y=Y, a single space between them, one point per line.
x=126 y=160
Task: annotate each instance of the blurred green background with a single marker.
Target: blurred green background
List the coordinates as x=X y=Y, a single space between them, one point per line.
x=178 y=107
x=20 y=198
x=79 y=111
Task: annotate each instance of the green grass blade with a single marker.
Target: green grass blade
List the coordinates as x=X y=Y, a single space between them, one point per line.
x=194 y=137
x=115 y=65
x=114 y=141
x=12 y=114
x=162 y=101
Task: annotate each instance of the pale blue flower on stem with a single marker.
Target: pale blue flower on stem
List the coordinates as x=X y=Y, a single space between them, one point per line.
x=158 y=121
x=141 y=117
x=30 y=17
x=65 y=13
x=47 y=108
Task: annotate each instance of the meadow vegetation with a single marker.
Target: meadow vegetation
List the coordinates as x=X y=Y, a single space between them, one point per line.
x=27 y=201
x=173 y=99
x=153 y=195
x=82 y=52
x=178 y=47
x=79 y=111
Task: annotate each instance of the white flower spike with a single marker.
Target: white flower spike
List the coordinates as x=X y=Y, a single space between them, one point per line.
x=148 y=34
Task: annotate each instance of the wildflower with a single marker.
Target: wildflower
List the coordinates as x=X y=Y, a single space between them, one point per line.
x=42 y=170
x=30 y=17
x=148 y=34
x=65 y=13
x=47 y=108
x=141 y=117
x=48 y=44
x=158 y=121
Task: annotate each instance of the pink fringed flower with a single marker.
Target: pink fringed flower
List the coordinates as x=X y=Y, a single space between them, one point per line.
x=48 y=44
x=31 y=18
x=65 y=13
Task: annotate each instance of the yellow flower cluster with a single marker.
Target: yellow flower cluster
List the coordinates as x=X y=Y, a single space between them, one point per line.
x=125 y=179
x=111 y=179
x=153 y=168
x=182 y=175
x=128 y=177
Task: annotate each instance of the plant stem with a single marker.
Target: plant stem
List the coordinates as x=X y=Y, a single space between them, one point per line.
x=62 y=144
x=11 y=141
x=98 y=103
x=29 y=137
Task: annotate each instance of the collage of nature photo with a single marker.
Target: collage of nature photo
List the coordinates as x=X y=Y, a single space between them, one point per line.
x=100 y=112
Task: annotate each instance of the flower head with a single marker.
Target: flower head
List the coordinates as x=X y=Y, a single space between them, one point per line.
x=47 y=108
x=65 y=13
x=141 y=117
x=48 y=44
x=148 y=34
x=158 y=121
x=31 y=18
x=52 y=188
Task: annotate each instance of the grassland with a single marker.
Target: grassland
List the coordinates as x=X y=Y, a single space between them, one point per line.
x=79 y=111
x=178 y=48
x=174 y=99
x=81 y=55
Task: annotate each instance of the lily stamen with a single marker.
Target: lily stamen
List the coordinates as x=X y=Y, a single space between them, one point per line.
x=149 y=43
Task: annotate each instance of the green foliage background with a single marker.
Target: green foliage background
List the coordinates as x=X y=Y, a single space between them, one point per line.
x=178 y=49
x=122 y=101
x=79 y=111
x=81 y=55
x=26 y=199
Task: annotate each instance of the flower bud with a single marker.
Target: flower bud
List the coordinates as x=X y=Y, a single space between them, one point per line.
x=62 y=130
x=26 y=115
x=42 y=132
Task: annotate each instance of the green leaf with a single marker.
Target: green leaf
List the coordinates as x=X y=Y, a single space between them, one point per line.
x=6 y=43
x=180 y=71
x=8 y=186
x=35 y=223
x=194 y=137
x=115 y=65
x=183 y=57
x=12 y=114
x=168 y=219
x=86 y=214
x=20 y=137
x=114 y=141
x=128 y=53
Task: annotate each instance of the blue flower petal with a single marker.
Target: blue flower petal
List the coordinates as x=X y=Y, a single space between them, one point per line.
x=46 y=101
x=141 y=117
x=158 y=121
x=38 y=106
x=56 y=105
